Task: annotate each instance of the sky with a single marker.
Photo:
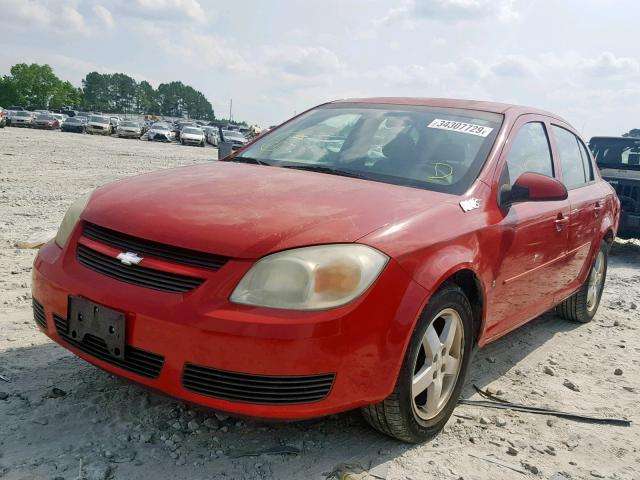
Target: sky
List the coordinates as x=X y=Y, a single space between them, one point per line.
x=576 y=58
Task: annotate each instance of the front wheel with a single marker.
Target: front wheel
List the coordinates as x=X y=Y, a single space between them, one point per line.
x=583 y=305
x=432 y=373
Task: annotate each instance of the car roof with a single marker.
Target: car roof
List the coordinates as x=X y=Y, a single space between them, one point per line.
x=494 y=107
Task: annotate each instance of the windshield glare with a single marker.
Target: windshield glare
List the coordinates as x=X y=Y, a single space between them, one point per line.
x=427 y=147
x=616 y=152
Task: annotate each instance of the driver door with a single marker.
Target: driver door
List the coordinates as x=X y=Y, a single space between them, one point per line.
x=533 y=235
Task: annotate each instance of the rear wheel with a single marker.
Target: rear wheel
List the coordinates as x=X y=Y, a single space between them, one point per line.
x=432 y=373
x=583 y=305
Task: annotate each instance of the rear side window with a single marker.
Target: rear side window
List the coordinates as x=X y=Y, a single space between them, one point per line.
x=530 y=153
x=571 y=159
x=586 y=161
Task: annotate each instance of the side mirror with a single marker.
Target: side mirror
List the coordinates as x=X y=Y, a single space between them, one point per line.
x=532 y=187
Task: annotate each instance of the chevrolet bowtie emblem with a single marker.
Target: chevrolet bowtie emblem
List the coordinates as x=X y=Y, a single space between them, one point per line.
x=129 y=258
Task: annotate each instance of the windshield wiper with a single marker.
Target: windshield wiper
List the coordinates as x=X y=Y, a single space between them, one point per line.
x=251 y=160
x=326 y=169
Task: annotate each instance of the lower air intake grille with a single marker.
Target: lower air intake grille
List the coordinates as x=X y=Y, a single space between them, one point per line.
x=261 y=389
x=141 y=362
x=142 y=276
x=38 y=315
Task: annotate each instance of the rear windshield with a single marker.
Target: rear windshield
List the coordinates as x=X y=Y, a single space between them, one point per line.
x=440 y=149
x=621 y=153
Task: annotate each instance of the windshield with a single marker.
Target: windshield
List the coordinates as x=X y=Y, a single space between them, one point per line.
x=23 y=114
x=439 y=149
x=195 y=131
x=233 y=134
x=95 y=119
x=74 y=120
x=129 y=124
x=621 y=153
x=46 y=117
x=160 y=126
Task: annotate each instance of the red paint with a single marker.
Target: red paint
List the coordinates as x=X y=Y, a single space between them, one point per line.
x=525 y=260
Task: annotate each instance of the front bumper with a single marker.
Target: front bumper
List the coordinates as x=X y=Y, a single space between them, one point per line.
x=129 y=134
x=362 y=343
x=192 y=141
x=98 y=131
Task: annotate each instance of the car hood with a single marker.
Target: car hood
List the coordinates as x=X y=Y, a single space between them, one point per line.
x=192 y=135
x=247 y=211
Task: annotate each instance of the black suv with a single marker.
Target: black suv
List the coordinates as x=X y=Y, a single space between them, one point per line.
x=619 y=161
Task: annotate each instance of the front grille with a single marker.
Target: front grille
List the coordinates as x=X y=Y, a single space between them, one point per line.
x=38 y=314
x=148 y=248
x=260 y=389
x=140 y=362
x=135 y=274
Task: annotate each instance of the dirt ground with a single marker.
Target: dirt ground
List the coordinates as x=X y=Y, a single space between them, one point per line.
x=61 y=418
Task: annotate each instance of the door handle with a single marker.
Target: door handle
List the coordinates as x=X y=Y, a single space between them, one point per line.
x=561 y=221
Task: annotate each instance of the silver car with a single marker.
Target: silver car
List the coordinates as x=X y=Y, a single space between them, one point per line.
x=22 y=118
x=129 y=129
x=98 y=125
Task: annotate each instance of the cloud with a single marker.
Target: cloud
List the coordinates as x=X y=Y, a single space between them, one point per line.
x=412 y=11
x=104 y=16
x=302 y=61
x=29 y=14
x=607 y=65
x=515 y=66
x=165 y=10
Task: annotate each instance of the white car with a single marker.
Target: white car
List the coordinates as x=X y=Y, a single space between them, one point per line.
x=160 y=132
x=211 y=135
x=192 y=136
x=129 y=129
x=98 y=125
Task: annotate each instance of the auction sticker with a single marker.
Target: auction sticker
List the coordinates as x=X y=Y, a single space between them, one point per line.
x=461 y=127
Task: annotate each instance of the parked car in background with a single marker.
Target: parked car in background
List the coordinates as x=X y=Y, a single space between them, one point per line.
x=70 y=113
x=619 y=161
x=129 y=129
x=16 y=108
x=74 y=124
x=114 y=122
x=234 y=136
x=3 y=118
x=160 y=132
x=367 y=282
x=45 y=121
x=192 y=136
x=22 y=118
x=98 y=125
x=211 y=135
x=178 y=126
x=60 y=117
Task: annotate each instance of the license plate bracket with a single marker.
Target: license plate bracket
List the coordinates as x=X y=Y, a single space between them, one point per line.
x=87 y=317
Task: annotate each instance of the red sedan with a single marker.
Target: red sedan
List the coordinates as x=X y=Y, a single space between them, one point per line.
x=356 y=256
x=45 y=121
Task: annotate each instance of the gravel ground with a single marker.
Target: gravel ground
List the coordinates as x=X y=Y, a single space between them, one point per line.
x=61 y=418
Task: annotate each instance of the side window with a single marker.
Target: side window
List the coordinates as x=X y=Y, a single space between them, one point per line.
x=570 y=157
x=586 y=161
x=530 y=152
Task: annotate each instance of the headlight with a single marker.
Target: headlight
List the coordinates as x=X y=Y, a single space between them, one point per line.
x=310 y=278
x=71 y=218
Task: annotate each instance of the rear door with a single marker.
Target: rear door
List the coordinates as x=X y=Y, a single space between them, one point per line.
x=533 y=235
x=576 y=172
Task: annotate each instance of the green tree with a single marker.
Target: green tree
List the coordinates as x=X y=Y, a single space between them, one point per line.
x=66 y=95
x=35 y=84
x=8 y=92
x=147 y=99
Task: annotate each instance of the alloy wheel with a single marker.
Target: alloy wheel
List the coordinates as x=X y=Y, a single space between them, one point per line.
x=438 y=363
x=596 y=279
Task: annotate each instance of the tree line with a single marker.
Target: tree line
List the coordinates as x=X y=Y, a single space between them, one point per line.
x=37 y=87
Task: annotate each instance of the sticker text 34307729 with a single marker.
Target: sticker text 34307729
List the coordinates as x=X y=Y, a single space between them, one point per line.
x=461 y=127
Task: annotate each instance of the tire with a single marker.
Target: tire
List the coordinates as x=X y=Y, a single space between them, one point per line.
x=399 y=416
x=582 y=306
